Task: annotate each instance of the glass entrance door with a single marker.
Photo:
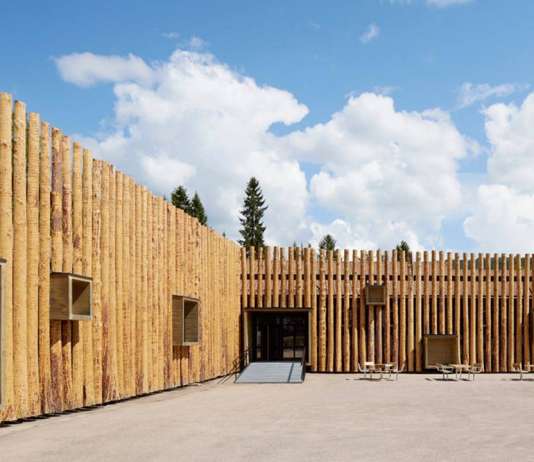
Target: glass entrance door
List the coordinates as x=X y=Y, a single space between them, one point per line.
x=279 y=336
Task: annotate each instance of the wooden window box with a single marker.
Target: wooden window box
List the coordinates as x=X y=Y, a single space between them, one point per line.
x=185 y=320
x=375 y=294
x=441 y=349
x=71 y=297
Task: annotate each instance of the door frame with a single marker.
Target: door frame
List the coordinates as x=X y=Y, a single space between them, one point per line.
x=247 y=331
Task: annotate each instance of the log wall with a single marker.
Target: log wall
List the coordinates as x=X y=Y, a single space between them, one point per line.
x=485 y=299
x=62 y=210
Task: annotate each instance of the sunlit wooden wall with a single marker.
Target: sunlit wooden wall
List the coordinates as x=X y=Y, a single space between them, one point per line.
x=485 y=299
x=61 y=210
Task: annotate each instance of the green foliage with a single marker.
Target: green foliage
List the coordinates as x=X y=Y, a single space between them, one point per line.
x=327 y=243
x=193 y=207
x=198 y=211
x=252 y=227
x=403 y=246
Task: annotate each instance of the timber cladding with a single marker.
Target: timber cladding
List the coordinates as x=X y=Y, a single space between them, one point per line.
x=482 y=301
x=64 y=213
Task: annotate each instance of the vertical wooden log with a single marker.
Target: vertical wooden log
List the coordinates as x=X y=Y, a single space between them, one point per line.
x=283 y=278
x=44 y=270
x=144 y=382
x=291 y=277
x=252 y=273
x=526 y=312
x=354 y=307
x=472 y=311
x=6 y=251
x=77 y=267
x=346 y=312
x=426 y=299
x=450 y=295
x=519 y=305
x=465 y=311
x=379 y=313
x=330 y=312
x=395 y=308
x=410 y=316
x=298 y=258
x=322 y=313
x=20 y=317
x=442 y=286
x=97 y=188
x=496 y=354
x=259 y=276
x=66 y=326
x=244 y=282
x=87 y=264
x=118 y=271
x=32 y=211
x=402 y=317
x=511 y=308
x=276 y=278
x=487 y=334
x=363 y=315
x=371 y=312
x=418 y=315
x=480 y=311
x=56 y=218
x=387 y=310
x=338 y=317
x=314 y=317
x=458 y=298
x=504 y=315
x=434 y=274
x=268 y=278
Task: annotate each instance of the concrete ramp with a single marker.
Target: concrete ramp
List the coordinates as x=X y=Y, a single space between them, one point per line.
x=272 y=372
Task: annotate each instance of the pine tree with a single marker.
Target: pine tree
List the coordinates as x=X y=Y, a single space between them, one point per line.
x=327 y=243
x=180 y=199
x=197 y=210
x=403 y=246
x=252 y=216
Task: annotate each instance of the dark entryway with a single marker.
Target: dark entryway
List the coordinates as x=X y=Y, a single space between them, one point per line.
x=279 y=336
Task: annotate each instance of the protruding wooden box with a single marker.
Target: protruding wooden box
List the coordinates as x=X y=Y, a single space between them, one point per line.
x=2 y=278
x=185 y=320
x=441 y=349
x=375 y=294
x=71 y=297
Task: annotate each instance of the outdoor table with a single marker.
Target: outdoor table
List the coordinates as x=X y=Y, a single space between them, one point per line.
x=459 y=369
x=384 y=368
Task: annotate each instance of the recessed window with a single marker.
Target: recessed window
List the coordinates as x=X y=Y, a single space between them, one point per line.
x=2 y=271
x=185 y=318
x=70 y=297
x=375 y=294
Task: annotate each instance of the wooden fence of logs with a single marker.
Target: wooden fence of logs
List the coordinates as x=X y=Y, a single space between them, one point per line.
x=63 y=211
x=484 y=299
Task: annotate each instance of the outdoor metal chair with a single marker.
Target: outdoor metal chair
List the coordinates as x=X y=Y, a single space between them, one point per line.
x=368 y=368
x=396 y=370
x=476 y=368
x=518 y=367
x=445 y=370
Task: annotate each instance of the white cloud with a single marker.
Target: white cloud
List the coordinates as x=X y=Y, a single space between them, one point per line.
x=371 y=33
x=86 y=69
x=504 y=214
x=383 y=174
x=472 y=93
x=446 y=3
x=171 y=35
x=196 y=43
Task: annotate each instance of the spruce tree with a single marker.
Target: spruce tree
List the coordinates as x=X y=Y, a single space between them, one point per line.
x=197 y=210
x=180 y=199
x=403 y=246
x=252 y=227
x=327 y=243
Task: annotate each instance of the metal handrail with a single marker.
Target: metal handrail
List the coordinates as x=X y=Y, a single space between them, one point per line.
x=303 y=364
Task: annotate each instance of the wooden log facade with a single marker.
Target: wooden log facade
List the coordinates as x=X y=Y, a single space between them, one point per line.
x=484 y=299
x=63 y=211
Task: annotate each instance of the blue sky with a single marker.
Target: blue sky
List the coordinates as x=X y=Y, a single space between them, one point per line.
x=418 y=54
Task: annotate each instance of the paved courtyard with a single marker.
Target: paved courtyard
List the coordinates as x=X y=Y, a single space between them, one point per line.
x=328 y=418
